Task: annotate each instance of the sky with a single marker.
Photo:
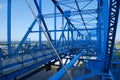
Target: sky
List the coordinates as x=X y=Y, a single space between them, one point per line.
x=22 y=19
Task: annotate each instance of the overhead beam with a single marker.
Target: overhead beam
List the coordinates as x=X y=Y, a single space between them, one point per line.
x=72 y=13
x=42 y=19
x=81 y=17
x=67 y=30
x=72 y=1
x=61 y=72
x=61 y=11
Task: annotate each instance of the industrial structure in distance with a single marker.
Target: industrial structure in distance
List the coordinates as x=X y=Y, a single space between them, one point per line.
x=77 y=37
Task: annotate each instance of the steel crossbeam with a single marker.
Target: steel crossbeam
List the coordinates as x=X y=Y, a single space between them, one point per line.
x=72 y=13
x=72 y=26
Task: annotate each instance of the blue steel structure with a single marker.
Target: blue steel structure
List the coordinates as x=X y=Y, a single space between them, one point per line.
x=87 y=36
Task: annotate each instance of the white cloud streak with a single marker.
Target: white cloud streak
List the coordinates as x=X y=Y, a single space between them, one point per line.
x=1 y=6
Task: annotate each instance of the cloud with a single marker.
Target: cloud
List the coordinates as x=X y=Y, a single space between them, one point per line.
x=1 y=6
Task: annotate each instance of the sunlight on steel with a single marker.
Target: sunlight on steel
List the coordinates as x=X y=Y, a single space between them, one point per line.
x=61 y=72
x=48 y=39
x=61 y=34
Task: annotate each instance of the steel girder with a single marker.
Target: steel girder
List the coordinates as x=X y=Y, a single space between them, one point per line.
x=72 y=13
x=112 y=27
x=66 y=45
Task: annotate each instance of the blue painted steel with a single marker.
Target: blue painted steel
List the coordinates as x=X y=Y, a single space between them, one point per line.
x=59 y=8
x=67 y=30
x=99 y=25
x=24 y=70
x=40 y=33
x=105 y=14
x=111 y=32
x=82 y=17
x=1 y=53
x=42 y=19
x=55 y=25
x=63 y=28
x=62 y=72
x=25 y=37
x=72 y=13
x=72 y=40
x=68 y=35
x=68 y=2
x=9 y=26
x=62 y=34
x=88 y=76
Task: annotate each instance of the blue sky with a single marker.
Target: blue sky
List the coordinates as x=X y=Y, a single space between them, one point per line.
x=22 y=19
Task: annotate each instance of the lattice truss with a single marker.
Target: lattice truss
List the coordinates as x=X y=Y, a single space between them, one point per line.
x=81 y=31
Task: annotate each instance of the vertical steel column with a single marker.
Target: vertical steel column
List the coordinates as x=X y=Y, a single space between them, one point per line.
x=105 y=26
x=72 y=40
x=1 y=67
x=9 y=26
x=63 y=28
x=1 y=61
x=99 y=29
x=42 y=19
x=68 y=34
x=40 y=32
x=112 y=26
x=99 y=25
x=55 y=25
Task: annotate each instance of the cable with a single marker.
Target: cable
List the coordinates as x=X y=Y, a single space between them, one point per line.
x=48 y=39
